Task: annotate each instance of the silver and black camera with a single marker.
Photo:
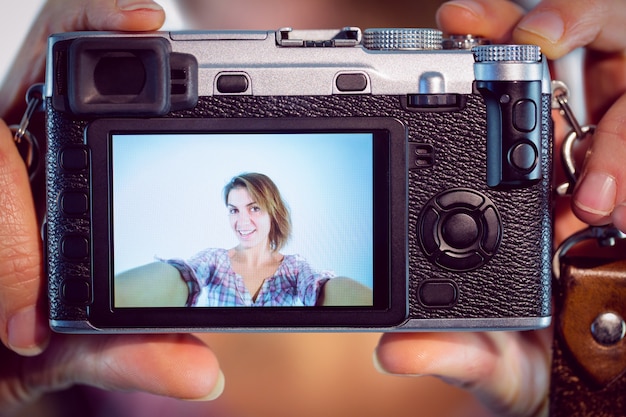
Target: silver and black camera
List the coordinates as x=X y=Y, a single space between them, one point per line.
x=414 y=166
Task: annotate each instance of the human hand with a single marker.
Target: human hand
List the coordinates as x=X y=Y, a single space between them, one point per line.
x=66 y=16
x=34 y=361
x=509 y=371
x=559 y=27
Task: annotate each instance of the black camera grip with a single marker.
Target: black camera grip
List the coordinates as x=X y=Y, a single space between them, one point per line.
x=513 y=132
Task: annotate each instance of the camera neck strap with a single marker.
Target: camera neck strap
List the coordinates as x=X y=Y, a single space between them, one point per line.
x=588 y=376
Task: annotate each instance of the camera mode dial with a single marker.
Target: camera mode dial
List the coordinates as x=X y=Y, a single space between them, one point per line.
x=390 y=39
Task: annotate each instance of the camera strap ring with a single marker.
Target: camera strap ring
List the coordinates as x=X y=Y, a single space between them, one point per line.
x=560 y=94
x=25 y=141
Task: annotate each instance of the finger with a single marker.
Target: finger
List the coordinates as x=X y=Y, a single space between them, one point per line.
x=560 y=26
x=507 y=371
x=127 y=15
x=178 y=366
x=66 y=16
x=21 y=326
x=600 y=195
x=492 y=19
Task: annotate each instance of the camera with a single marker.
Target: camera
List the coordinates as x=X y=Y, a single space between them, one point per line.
x=415 y=169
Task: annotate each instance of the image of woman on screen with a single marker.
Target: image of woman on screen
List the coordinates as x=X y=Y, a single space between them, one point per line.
x=253 y=273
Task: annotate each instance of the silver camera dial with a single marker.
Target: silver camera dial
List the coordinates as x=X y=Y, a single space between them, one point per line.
x=394 y=39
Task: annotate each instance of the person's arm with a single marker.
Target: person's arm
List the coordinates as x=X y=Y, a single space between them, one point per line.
x=342 y=291
x=154 y=285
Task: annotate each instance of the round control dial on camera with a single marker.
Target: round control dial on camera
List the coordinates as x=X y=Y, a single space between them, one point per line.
x=459 y=229
x=391 y=39
x=507 y=53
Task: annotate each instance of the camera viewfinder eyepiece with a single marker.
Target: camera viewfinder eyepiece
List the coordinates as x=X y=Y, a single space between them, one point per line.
x=115 y=77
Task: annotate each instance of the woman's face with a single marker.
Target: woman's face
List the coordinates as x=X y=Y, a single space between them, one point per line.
x=248 y=220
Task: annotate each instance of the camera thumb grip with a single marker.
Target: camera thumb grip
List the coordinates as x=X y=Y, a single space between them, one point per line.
x=513 y=132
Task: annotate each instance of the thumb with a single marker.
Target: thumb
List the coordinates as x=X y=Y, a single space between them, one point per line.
x=21 y=326
x=177 y=365
x=126 y=15
x=560 y=26
x=507 y=371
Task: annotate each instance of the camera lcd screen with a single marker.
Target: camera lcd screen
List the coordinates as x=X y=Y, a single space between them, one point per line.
x=270 y=224
x=169 y=206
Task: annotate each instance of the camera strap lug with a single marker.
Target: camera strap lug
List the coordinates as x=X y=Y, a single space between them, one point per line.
x=25 y=141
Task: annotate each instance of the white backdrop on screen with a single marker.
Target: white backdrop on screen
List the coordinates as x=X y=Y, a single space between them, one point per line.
x=168 y=195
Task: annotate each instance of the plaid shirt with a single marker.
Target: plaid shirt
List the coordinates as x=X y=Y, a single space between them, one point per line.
x=213 y=283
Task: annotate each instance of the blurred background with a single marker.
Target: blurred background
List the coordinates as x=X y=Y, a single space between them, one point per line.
x=272 y=375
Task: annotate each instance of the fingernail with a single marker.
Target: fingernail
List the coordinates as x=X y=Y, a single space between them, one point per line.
x=470 y=6
x=596 y=194
x=548 y=25
x=377 y=364
x=381 y=370
x=217 y=390
x=27 y=336
x=130 y=5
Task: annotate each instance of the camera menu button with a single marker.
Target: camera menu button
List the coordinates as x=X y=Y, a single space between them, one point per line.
x=460 y=230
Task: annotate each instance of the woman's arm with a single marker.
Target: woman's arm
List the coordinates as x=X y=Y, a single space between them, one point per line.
x=342 y=291
x=153 y=285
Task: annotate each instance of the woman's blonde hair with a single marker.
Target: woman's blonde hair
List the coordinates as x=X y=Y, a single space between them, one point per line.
x=265 y=193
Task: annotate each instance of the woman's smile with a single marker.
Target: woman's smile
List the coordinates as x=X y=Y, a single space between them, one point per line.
x=246 y=233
